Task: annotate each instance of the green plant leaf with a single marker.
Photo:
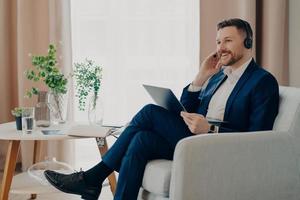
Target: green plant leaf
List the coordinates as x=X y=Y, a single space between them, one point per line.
x=88 y=77
x=47 y=71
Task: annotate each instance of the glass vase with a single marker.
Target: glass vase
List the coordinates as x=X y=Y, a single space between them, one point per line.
x=42 y=111
x=95 y=110
x=58 y=107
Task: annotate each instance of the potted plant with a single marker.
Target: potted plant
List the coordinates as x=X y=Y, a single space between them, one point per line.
x=88 y=76
x=45 y=69
x=17 y=113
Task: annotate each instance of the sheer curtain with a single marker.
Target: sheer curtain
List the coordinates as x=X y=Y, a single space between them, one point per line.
x=136 y=41
x=48 y=22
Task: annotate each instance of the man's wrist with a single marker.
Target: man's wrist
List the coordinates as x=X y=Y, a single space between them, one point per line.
x=193 y=88
x=199 y=80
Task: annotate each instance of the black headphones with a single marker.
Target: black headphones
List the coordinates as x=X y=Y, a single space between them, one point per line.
x=248 y=42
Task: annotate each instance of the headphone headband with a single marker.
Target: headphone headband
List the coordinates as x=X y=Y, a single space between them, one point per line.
x=248 y=42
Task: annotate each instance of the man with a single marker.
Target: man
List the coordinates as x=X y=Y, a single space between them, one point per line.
x=229 y=86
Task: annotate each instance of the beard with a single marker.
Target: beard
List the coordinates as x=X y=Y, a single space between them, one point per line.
x=227 y=58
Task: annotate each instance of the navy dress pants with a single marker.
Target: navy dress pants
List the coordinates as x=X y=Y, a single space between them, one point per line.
x=152 y=134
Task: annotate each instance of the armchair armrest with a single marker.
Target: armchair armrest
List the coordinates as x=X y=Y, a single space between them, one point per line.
x=234 y=166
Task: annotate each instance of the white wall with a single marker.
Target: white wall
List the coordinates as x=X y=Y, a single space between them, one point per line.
x=294 y=42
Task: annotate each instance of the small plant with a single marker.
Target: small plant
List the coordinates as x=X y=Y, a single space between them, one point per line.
x=88 y=77
x=46 y=70
x=17 y=112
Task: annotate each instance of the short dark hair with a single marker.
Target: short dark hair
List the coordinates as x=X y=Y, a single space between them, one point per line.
x=239 y=24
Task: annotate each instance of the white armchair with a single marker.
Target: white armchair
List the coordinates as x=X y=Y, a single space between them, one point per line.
x=233 y=166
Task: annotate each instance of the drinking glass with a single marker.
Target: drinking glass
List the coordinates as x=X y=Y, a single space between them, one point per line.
x=28 y=120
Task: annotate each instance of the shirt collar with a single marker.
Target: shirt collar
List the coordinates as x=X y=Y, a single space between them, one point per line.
x=235 y=75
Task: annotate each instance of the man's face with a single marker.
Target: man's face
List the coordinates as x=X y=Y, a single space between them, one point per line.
x=230 y=45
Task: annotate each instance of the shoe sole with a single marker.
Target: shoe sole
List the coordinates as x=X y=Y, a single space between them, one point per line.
x=83 y=196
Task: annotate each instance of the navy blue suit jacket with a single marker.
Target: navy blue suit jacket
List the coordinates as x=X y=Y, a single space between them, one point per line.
x=251 y=106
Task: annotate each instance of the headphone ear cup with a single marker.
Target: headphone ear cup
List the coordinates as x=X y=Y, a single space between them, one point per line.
x=248 y=43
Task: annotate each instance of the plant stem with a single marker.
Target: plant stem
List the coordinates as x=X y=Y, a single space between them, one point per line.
x=56 y=99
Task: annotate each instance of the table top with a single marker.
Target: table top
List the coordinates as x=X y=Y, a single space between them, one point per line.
x=70 y=130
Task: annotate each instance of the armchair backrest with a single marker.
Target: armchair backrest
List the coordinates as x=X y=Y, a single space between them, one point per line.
x=288 y=118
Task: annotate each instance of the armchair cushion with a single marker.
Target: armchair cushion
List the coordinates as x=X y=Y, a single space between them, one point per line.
x=289 y=110
x=157 y=177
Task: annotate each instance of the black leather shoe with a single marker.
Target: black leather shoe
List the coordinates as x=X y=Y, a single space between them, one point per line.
x=73 y=183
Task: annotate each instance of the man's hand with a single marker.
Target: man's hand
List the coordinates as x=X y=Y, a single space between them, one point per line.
x=197 y=123
x=210 y=66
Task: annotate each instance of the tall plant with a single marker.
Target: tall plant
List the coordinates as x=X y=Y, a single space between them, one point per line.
x=45 y=69
x=88 y=76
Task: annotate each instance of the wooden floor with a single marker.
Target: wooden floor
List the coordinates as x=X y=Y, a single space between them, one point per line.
x=105 y=195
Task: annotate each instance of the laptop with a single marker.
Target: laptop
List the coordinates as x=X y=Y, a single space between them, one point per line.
x=165 y=98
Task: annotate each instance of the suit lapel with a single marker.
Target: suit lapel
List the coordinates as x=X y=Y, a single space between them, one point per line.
x=210 y=90
x=238 y=86
x=219 y=82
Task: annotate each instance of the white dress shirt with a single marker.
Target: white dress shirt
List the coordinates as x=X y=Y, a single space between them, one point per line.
x=217 y=104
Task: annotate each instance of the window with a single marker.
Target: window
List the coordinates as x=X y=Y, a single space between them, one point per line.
x=136 y=41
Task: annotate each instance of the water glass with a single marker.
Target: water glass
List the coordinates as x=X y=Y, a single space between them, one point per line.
x=28 y=120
